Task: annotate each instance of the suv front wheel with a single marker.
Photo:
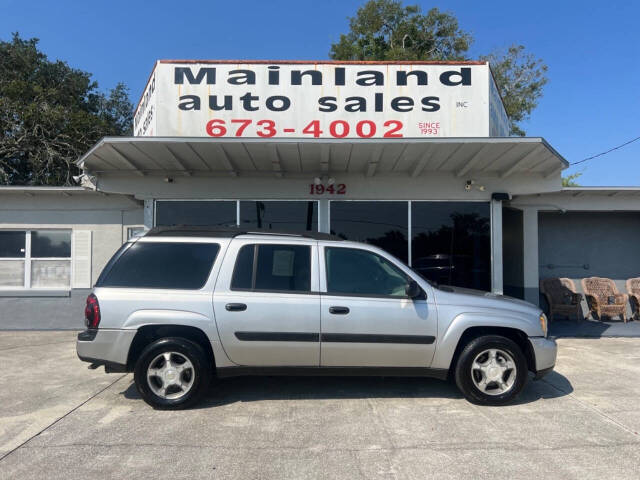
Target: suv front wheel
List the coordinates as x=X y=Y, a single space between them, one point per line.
x=172 y=373
x=491 y=370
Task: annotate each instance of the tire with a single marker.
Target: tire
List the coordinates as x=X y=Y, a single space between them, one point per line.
x=178 y=384
x=491 y=381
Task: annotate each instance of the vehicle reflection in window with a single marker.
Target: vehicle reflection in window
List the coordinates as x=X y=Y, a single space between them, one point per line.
x=451 y=243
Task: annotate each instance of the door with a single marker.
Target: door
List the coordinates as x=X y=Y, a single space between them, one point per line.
x=267 y=305
x=366 y=318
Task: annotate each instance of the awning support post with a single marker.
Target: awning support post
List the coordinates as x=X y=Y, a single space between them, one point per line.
x=530 y=248
x=148 y=213
x=496 y=247
x=323 y=216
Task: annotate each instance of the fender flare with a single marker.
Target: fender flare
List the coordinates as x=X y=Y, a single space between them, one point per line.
x=141 y=318
x=181 y=318
x=461 y=323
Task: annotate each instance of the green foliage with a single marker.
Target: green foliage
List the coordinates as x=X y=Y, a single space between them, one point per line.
x=569 y=180
x=387 y=30
x=520 y=78
x=51 y=114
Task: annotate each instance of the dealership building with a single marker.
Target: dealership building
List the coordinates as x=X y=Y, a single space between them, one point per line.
x=412 y=157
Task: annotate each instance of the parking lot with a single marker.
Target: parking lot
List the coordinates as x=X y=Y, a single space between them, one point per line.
x=60 y=420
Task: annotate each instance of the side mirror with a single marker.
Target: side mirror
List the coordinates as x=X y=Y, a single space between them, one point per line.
x=412 y=289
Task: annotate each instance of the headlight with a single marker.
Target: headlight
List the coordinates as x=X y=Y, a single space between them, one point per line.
x=543 y=323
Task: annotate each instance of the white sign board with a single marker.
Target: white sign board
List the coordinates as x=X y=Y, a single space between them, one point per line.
x=320 y=100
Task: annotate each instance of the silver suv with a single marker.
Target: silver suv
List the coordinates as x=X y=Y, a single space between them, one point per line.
x=182 y=305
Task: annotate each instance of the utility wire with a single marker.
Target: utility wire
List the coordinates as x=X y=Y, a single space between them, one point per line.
x=604 y=153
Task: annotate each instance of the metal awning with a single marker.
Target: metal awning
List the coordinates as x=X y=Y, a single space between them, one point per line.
x=413 y=157
x=600 y=191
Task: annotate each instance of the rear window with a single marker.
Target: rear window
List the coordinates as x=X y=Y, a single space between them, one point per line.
x=162 y=265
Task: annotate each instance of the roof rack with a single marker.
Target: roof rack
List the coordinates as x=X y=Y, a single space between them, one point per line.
x=231 y=232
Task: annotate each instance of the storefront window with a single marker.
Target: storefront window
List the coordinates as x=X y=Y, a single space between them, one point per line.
x=383 y=224
x=12 y=244
x=279 y=215
x=35 y=259
x=50 y=243
x=451 y=243
x=197 y=213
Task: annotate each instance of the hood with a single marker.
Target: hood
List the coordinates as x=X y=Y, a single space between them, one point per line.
x=482 y=298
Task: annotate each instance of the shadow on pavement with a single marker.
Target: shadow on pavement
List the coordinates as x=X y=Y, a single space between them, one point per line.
x=250 y=389
x=589 y=328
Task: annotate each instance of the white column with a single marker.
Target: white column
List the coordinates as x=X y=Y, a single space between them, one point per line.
x=323 y=216
x=530 y=248
x=148 y=213
x=496 y=247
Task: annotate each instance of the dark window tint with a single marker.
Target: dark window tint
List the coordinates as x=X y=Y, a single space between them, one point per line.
x=283 y=267
x=451 y=243
x=279 y=215
x=163 y=265
x=359 y=272
x=51 y=243
x=196 y=213
x=383 y=224
x=12 y=244
x=278 y=268
x=243 y=270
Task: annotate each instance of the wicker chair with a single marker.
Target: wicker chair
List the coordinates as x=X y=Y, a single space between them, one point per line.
x=562 y=298
x=633 y=290
x=603 y=298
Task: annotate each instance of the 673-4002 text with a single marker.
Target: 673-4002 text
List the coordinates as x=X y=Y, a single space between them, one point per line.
x=239 y=127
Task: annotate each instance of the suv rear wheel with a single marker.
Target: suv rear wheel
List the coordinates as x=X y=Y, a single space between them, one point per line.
x=172 y=373
x=491 y=370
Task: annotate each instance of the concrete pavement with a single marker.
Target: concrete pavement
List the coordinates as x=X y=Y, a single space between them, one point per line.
x=60 y=420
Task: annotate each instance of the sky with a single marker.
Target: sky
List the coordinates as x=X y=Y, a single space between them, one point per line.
x=592 y=49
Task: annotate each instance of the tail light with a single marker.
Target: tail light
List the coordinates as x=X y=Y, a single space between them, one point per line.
x=92 y=312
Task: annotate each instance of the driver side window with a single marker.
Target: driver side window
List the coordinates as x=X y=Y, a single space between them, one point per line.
x=351 y=271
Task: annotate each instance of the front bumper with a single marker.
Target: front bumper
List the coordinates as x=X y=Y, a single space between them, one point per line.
x=108 y=347
x=545 y=351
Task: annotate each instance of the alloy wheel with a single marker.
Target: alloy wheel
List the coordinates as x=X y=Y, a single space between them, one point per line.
x=494 y=371
x=170 y=375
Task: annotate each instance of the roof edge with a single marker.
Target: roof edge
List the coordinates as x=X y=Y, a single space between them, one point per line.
x=19 y=188
x=330 y=62
x=106 y=140
x=595 y=188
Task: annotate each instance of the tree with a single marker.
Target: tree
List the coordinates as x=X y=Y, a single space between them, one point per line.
x=520 y=78
x=570 y=180
x=387 y=30
x=50 y=114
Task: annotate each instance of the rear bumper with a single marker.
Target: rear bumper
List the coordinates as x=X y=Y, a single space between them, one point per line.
x=545 y=351
x=105 y=347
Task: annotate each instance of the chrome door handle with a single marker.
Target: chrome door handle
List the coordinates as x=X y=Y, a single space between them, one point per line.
x=236 y=307
x=339 y=310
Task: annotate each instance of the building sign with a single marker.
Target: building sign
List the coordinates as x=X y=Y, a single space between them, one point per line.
x=320 y=100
